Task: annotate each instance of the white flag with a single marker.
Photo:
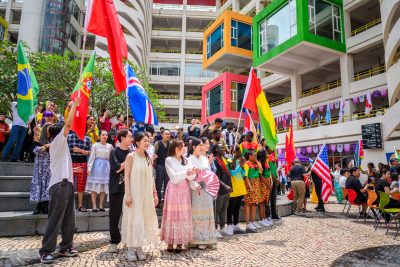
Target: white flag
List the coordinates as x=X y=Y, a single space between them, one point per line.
x=341 y=111
x=368 y=104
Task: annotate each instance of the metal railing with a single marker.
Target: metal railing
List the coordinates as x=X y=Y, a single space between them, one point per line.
x=366 y=26
x=196 y=52
x=236 y=71
x=167 y=96
x=321 y=88
x=267 y=73
x=165 y=51
x=167 y=29
x=396 y=57
x=193 y=97
x=194 y=30
x=281 y=101
x=369 y=73
x=169 y=120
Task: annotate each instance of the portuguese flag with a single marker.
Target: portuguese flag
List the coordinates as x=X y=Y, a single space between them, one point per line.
x=255 y=100
x=79 y=125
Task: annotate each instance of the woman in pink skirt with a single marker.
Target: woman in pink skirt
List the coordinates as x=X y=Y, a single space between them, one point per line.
x=177 y=225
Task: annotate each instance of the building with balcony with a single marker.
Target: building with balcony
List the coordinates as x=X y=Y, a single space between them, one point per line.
x=313 y=55
x=46 y=25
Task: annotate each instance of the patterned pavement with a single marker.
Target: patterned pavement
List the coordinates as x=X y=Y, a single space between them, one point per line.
x=313 y=239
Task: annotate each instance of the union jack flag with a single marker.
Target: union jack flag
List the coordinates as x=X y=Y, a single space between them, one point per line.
x=141 y=107
x=321 y=168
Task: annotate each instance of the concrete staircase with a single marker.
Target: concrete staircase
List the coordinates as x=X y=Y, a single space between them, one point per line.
x=16 y=218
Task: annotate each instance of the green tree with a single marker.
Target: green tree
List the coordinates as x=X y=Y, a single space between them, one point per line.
x=57 y=76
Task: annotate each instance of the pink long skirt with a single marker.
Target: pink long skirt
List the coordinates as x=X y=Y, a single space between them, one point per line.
x=177 y=225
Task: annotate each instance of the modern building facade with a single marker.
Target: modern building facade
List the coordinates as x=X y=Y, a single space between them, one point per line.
x=53 y=26
x=311 y=56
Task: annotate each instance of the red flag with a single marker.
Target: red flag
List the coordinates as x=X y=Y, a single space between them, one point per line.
x=300 y=118
x=102 y=19
x=290 y=153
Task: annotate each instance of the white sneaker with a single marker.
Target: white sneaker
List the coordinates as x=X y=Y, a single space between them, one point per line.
x=262 y=223
x=270 y=221
x=238 y=228
x=202 y=247
x=250 y=226
x=140 y=254
x=218 y=235
x=112 y=248
x=130 y=255
x=257 y=225
x=227 y=231
x=267 y=222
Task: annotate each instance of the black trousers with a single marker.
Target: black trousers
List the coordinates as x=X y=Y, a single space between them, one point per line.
x=318 y=190
x=61 y=218
x=271 y=208
x=116 y=202
x=161 y=178
x=234 y=209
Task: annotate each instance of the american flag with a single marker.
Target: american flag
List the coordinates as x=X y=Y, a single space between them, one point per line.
x=321 y=168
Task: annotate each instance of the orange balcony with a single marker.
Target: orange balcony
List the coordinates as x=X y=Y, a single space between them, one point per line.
x=228 y=42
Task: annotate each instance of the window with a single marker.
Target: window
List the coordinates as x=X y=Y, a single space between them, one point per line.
x=214 y=100
x=215 y=41
x=324 y=19
x=278 y=28
x=241 y=35
x=165 y=68
x=196 y=70
x=2 y=32
x=237 y=95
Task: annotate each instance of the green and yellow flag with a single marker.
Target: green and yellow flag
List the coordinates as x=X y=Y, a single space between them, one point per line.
x=28 y=87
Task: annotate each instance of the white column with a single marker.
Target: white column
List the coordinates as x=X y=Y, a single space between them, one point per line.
x=31 y=23
x=236 y=5
x=347 y=76
x=259 y=6
x=8 y=16
x=295 y=91
x=183 y=64
x=347 y=24
x=217 y=5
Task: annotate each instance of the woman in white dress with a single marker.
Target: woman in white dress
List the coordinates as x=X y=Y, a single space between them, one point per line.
x=139 y=219
x=99 y=171
x=202 y=203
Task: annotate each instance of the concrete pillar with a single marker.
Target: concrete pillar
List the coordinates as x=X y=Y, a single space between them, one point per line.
x=31 y=23
x=295 y=91
x=236 y=5
x=183 y=64
x=347 y=25
x=347 y=76
x=8 y=16
x=217 y=5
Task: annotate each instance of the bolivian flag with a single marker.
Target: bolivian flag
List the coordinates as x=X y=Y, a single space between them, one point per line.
x=28 y=87
x=84 y=87
x=254 y=100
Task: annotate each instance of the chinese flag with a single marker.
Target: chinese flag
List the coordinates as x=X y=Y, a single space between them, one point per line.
x=102 y=19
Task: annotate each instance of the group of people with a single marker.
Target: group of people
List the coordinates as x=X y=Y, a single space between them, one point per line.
x=140 y=171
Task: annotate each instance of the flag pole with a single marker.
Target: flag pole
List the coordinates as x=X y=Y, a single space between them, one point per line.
x=127 y=100
x=241 y=110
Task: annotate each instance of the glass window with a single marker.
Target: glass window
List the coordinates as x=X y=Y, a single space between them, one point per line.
x=241 y=35
x=215 y=41
x=278 y=28
x=2 y=32
x=237 y=95
x=165 y=68
x=324 y=19
x=196 y=70
x=215 y=100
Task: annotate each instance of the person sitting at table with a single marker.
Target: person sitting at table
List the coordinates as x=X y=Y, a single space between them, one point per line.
x=383 y=186
x=353 y=182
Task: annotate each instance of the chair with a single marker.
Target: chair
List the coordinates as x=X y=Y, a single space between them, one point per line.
x=383 y=202
x=372 y=196
x=351 y=196
x=345 y=192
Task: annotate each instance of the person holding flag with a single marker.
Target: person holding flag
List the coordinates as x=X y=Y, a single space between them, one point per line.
x=23 y=106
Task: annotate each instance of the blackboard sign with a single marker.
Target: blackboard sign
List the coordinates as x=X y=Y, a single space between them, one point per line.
x=371 y=136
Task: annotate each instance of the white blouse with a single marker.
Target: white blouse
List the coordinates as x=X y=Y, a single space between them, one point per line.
x=176 y=171
x=99 y=151
x=200 y=163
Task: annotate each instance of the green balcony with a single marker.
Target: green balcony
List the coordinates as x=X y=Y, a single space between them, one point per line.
x=296 y=36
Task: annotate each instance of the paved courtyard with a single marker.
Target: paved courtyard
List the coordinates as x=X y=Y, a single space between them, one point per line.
x=310 y=240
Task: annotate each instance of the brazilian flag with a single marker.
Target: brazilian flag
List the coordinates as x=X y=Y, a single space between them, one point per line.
x=28 y=87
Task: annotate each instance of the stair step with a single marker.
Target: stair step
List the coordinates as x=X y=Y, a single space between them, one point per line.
x=16 y=168
x=15 y=183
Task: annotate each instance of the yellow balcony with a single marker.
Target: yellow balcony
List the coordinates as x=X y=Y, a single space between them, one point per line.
x=227 y=42
x=369 y=73
x=366 y=27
